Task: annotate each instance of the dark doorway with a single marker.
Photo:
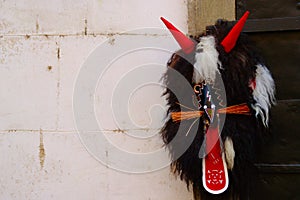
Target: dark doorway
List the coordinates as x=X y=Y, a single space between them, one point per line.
x=275 y=27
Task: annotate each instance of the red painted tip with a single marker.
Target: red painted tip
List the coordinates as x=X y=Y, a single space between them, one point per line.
x=230 y=40
x=185 y=42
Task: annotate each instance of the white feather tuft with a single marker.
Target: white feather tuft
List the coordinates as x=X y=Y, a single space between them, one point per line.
x=264 y=93
x=229 y=153
x=207 y=60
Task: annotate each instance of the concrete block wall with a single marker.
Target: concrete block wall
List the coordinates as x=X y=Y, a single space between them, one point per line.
x=43 y=45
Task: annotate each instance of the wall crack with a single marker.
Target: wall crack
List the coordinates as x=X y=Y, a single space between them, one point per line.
x=42 y=154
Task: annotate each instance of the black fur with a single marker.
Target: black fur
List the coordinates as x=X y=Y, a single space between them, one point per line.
x=238 y=68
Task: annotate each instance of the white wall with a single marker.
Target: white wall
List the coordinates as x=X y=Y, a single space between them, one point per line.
x=43 y=45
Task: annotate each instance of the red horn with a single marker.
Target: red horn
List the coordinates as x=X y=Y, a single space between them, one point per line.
x=230 y=40
x=185 y=43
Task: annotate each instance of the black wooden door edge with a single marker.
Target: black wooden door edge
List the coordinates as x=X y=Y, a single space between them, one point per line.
x=279 y=168
x=269 y=24
x=272 y=24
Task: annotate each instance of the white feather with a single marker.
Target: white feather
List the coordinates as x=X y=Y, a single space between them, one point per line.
x=229 y=153
x=264 y=93
x=207 y=60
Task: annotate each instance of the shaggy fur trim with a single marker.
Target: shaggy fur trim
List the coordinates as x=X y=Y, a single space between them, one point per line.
x=264 y=93
x=229 y=152
x=207 y=61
